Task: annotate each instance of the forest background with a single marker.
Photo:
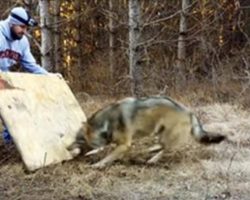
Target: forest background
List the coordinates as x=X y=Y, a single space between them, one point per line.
x=139 y=47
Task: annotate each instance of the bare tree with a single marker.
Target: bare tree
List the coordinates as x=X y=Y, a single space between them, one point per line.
x=134 y=48
x=79 y=39
x=111 y=39
x=56 y=35
x=181 y=51
x=46 y=42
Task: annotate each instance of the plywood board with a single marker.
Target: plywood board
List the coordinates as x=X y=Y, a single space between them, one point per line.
x=42 y=115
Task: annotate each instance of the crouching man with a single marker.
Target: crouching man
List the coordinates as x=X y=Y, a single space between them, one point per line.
x=15 y=47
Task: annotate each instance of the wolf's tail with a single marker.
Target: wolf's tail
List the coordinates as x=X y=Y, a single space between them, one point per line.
x=203 y=136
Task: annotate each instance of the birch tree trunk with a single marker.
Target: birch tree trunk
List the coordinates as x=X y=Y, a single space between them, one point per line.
x=134 y=48
x=181 y=51
x=56 y=35
x=46 y=42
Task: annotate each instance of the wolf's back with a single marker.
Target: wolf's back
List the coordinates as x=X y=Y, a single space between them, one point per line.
x=155 y=101
x=203 y=136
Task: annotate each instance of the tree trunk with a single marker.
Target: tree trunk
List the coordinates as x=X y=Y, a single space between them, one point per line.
x=181 y=51
x=46 y=45
x=134 y=49
x=80 y=71
x=56 y=35
x=79 y=34
x=111 y=40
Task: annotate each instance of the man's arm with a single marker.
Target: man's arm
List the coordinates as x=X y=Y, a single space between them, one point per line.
x=28 y=61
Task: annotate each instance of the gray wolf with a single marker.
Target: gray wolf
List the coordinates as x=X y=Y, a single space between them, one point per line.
x=120 y=122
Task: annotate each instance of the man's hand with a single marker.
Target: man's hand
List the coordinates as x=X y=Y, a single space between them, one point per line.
x=55 y=74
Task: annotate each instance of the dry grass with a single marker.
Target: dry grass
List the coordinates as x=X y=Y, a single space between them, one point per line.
x=197 y=172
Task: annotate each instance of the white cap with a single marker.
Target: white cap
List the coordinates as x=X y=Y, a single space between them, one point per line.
x=19 y=16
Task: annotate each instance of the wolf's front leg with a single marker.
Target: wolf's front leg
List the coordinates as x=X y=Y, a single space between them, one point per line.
x=156 y=157
x=118 y=153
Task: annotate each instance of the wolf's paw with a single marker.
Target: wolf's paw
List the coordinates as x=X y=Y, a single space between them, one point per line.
x=152 y=161
x=154 y=148
x=75 y=152
x=94 y=151
x=98 y=165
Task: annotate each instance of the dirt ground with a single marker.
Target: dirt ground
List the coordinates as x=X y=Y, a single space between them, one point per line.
x=195 y=172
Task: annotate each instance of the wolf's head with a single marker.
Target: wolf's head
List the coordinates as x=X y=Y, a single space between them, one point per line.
x=97 y=136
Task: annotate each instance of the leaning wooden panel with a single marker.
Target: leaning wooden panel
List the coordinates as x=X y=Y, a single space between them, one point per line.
x=42 y=115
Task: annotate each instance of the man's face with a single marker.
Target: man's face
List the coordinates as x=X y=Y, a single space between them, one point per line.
x=18 y=31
